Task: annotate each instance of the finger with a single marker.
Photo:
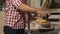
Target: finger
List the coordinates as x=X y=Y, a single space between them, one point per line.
x=48 y=13
x=40 y=15
x=44 y=13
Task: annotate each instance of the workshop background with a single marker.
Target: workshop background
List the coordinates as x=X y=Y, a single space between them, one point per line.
x=51 y=5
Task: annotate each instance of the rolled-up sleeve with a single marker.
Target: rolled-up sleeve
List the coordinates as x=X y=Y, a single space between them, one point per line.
x=16 y=3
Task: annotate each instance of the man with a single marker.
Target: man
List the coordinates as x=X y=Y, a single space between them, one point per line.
x=14 y=18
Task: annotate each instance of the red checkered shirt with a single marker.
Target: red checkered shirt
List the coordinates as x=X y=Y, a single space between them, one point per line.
x=13 y=16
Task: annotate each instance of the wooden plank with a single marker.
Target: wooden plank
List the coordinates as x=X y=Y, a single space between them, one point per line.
x=54 y=17
x=55 y=23
x=54 y=10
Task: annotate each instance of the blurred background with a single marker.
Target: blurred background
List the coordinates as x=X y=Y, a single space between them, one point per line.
x=52 y=6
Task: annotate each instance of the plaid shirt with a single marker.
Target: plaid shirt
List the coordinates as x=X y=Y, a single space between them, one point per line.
x=13 y=16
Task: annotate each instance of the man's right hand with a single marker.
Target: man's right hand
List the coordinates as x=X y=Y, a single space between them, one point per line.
x=43 y=13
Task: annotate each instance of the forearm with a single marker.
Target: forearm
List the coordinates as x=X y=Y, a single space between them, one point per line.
x=24 y=7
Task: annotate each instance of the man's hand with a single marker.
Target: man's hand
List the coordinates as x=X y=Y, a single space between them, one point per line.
x=43 y=13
